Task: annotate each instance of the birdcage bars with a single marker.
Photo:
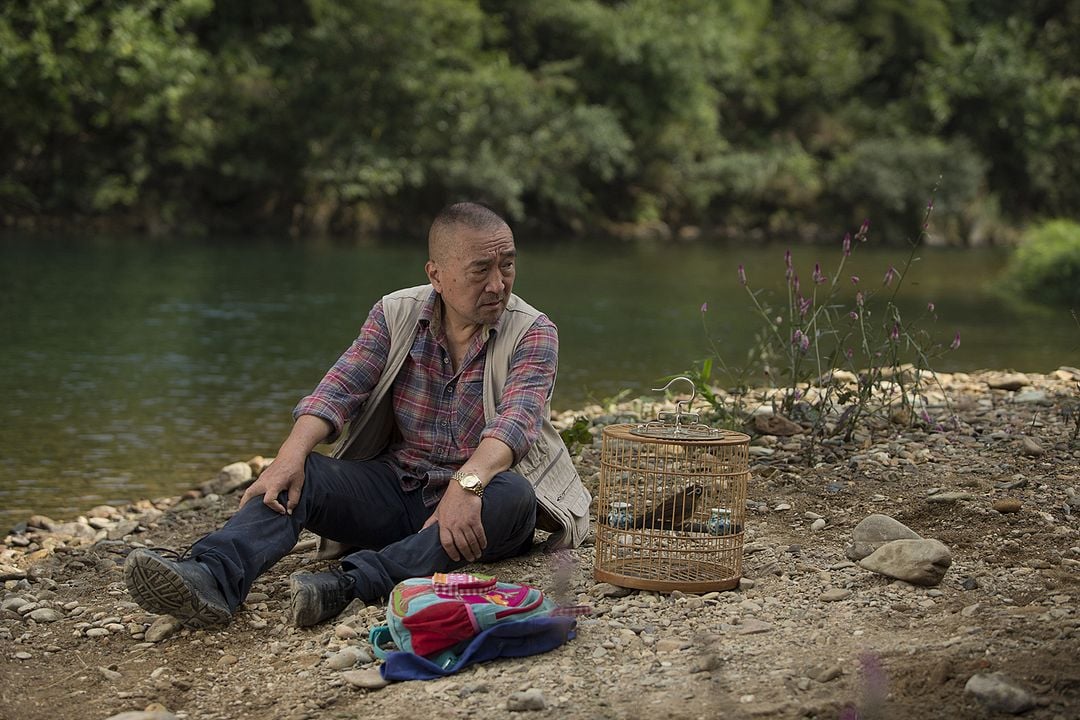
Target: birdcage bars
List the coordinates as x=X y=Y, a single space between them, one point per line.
x=671 y=508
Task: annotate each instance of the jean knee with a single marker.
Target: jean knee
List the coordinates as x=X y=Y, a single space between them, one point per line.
x=517 y=494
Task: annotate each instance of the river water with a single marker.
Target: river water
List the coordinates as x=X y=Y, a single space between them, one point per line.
x=137 y=367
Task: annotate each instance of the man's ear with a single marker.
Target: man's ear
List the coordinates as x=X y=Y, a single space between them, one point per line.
x=432 y=271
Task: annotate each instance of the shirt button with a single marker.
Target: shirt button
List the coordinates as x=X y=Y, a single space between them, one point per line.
x=449 y=388
x=446 y=361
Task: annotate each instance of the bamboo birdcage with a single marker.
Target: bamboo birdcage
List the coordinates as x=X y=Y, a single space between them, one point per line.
x=672 y=504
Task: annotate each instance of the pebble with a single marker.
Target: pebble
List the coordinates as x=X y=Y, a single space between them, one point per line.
x=161 y=628
x=1007 y=505
x=97 y=632
x=818 y=524
x=46 y=615
x=369 y=679
x=344 y=659
x=227 y=660
x=345 y=632
x=835 y=595
x=999 y=692
x=531 y=699
x=1031 y=448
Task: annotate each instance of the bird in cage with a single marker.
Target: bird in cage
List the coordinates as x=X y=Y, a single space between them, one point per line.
x=675 y=510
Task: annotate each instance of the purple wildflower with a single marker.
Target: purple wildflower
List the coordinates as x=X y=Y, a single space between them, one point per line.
x=847 y=244
x=795 y=282
x=930 y=204
x=955 y=341
x=853 y=315
x=854 y=279
x=850 y=353
x=800 y=340
x=787 y=259
x=819 y=277
x=890 y=275
x=859 y=299
x=930 y=307
x=894 y=334
x=704 y=307
x=742 y=275
x=804 y=305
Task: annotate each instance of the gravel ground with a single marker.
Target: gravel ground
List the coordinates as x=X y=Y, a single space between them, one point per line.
x=808 y=633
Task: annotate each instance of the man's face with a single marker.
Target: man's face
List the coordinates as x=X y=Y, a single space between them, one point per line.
x=475 y=275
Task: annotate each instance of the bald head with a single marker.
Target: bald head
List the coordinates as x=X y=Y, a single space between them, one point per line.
x=445 y=232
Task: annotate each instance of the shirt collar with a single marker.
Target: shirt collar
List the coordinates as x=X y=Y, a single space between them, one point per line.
x=431 y=315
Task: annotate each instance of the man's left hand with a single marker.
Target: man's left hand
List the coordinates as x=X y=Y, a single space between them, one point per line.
x=461 y=531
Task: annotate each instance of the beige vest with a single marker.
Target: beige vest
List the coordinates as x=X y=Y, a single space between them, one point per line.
x=563 y=500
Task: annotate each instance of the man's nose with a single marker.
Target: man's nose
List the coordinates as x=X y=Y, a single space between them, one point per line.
x=495 y=284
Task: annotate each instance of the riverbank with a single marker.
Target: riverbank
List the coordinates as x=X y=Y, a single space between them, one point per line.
x=807 y=633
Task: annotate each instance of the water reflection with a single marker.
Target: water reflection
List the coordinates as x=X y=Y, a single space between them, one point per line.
x=137 y=368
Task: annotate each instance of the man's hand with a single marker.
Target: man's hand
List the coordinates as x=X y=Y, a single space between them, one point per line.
x=460 y=529
x=285 y=473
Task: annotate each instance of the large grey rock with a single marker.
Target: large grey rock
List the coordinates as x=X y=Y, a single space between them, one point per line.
x=1000 y=692
x=919 y=562
x=1008 y=381
x=873 y=532
x=232 y=477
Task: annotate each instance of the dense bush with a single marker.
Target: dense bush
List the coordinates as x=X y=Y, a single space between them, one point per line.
x=582 y=114
x=1046 y=266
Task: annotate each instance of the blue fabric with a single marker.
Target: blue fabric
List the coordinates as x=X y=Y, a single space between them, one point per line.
x=511 y=639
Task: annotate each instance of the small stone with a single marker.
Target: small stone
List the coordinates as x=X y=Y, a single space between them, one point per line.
x=608 y=590
x=345 y=632
x=370 y=679
x=1008 y=381
x=344 y=659
x=1030 y=447
x=23 y=656
x=919 y=562
x=824 y=674
x=97 y=633
x=835 y=595
x=46 y=615
x=531 y=699
x=999 y=692
x=227 y=660
x=949 y=497
x=143 y=715
x=671 y=645
x=1007 y=505
x=109 y=674
x=162 y=628
x=753 y=626
x=782 y=507
x=10 y=572
x=818 y=524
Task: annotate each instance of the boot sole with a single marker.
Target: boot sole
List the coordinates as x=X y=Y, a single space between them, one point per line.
x=159 y=589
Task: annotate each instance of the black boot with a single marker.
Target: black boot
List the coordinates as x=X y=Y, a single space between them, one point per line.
x=185 y=589
x=318 y=596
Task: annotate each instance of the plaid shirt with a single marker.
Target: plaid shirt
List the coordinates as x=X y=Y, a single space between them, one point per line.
x=440 y=413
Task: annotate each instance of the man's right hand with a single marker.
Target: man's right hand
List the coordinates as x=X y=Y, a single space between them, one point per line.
x=282 y=474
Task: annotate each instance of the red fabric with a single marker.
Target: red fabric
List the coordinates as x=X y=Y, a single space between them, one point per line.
x=438 y=627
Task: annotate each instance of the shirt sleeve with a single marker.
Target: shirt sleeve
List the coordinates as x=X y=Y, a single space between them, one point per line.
x=529 y=384
x=347 y=385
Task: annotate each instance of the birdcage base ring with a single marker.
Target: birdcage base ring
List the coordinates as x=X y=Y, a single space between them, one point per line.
x=692 y=576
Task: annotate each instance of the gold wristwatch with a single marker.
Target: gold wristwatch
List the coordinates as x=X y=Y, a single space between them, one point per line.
x=469 y=482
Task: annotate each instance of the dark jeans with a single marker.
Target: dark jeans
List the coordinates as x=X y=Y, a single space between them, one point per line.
x=362 y=505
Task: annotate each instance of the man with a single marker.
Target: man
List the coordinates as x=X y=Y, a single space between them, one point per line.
x=450 y=456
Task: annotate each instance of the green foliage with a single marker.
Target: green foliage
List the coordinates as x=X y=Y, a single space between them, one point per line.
x=339 y=115
x=1046 y=266
x=577 y=435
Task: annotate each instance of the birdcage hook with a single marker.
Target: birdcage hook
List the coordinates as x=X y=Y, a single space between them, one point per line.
x=682 y=423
